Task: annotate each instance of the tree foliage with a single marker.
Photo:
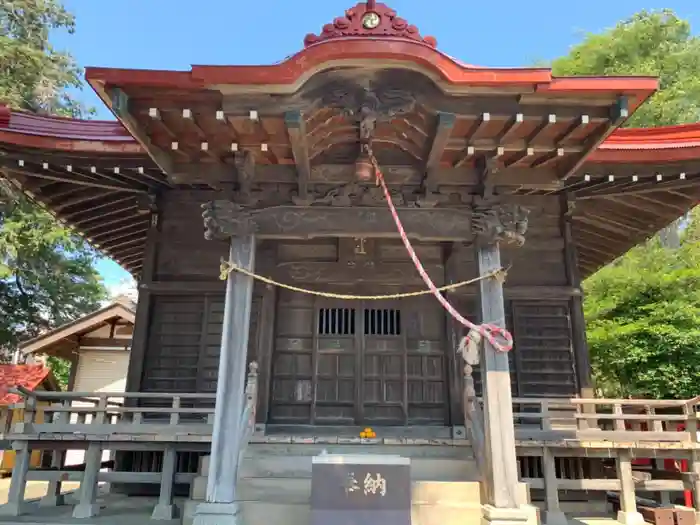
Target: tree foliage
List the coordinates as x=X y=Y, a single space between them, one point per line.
x=33 y=75
x=653 y=43
x=643 y=315
x=643 y=311
x=47 y=274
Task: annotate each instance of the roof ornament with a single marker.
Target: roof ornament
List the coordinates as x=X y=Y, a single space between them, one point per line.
x=369 y=19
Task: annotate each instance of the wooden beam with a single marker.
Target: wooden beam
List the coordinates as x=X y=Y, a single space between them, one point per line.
x=542 y=127
x=95 y=342
x=129 y=231
x=619 y=112
x=120 y=106
x=60 y=204
x=441 y=136
x=511 y=128
x=330 y=174
x=117 y=217
x=578 y=124
x=113 y=204
x=74 y=178
x=398 y=273
x=549 y=158
x=224 y=219
x=632 y=188
x=296 y=129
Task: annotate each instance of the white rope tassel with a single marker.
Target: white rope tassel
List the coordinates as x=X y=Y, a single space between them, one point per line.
x=469 y=347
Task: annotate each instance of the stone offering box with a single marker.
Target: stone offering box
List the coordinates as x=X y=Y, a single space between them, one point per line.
x=361 y=490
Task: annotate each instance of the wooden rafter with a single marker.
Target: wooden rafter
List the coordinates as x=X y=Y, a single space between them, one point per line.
x=619 y=112
x=441 y=136
x=120 y=106
x=296 y=128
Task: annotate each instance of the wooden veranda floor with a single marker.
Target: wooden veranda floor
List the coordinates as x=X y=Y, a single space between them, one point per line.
x=115 y=509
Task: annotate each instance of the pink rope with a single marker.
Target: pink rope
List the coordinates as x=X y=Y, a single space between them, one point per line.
x=489 y=331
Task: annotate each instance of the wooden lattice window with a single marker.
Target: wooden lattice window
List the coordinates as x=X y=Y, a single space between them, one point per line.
x=382 y=321
x=336 y=321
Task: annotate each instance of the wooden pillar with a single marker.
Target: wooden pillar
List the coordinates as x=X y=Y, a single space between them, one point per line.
x=453 y=331
x=628 y=514
x=504 y=501
x=495 y=377
x=139 y=340
x=265 y=346
x=220 y=507
x=165 y=510
x=578 y=323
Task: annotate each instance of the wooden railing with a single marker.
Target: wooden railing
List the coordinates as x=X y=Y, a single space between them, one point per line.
x=249 y=410
x=114 y=421
x=557 y=440
x=474 y=420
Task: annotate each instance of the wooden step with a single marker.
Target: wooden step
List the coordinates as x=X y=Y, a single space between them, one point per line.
x=422 y=469
x=291 y=490
x=259 y=512
x=314 y=449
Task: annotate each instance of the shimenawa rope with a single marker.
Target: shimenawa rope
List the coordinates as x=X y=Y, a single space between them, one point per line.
x=228 y=267
x=488 y=330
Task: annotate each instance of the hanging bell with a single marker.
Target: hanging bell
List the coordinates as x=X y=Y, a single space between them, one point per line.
x=364 y=169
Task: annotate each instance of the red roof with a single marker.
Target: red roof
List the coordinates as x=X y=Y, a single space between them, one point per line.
x=28 y=376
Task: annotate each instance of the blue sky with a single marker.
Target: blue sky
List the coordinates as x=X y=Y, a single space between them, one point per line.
x=174 y=34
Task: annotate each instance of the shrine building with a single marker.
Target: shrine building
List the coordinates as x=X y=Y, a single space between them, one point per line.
x=318 y=333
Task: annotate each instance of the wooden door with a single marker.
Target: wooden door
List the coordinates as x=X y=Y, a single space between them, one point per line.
x=359 y=363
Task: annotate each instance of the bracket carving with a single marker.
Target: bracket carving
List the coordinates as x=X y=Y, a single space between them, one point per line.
x=224 y=219
x=500 y=224
x=369 y=104
x=245 y=171
x=358 y=194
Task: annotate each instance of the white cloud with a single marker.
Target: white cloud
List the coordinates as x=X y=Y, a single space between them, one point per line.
x=125 y=287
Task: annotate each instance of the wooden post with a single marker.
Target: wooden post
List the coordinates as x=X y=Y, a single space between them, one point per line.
x=695 y=469
x=165 y=510
x=628 y=514
x=15 y=497
x=455 y=364
x=691 y=426
x=87 y=506
x=578 y=323
x=553 y=514
x=504 y=501
x=53 y=497
x=220 y=507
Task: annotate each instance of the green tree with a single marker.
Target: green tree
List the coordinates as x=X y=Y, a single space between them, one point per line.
x=47 y=274
x=643 y=311
x=33 y=75
x=643 y=315
x=653 y=43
